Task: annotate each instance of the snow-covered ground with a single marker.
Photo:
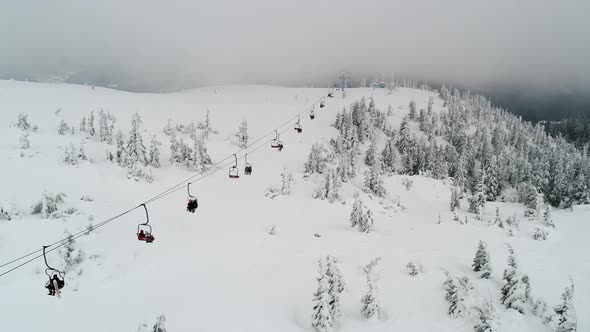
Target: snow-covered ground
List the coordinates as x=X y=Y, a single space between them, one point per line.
x=219 y=269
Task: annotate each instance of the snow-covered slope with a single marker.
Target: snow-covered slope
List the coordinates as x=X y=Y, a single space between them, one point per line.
x=219 y=269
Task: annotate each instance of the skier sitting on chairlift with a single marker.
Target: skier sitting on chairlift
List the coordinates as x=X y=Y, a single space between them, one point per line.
x=192 y=205
x=145 y=236
x=50 y=285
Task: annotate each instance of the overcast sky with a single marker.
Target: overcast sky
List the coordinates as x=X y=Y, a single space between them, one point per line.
x=176 y=42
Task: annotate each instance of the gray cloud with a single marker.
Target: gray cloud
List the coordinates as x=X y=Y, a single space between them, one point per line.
x=174 y=43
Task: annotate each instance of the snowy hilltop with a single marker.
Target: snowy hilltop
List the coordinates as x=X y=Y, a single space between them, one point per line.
x=260 y=208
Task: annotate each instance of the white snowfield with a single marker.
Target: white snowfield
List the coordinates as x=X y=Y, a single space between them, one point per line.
x=218 y=269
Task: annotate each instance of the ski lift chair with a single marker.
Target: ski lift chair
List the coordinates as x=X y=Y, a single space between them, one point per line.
x=193 y=203
x=234 y=173
x=56 y=278
x=247 y=167
x=144 y=231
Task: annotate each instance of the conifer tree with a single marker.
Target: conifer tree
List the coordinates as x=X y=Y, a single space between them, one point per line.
x=175 y=153
x=373 y=180
x=481 y=262
x=70 y=154
x=565 y=314
x=136 y=151
x=357 y=215
x=242 y=134
x=335 y=286
x=547 y=217
x=286 y=182
x=487 y=318
x=452 y=295
x=316 y=161
x=455 y=204
x=154 y=157
x=367 y=225
x=121 y=155
x=514 y=290
x=63 y=128
x=477 y=201
x=371 y=154
x=91 y=129
x=388 y=156
x=168 y=128
x=322 y=320
x=404 y=141
x=412 y=114
x=208 y=128
x=103 y=126
x=83 y=124
x=370 y=303
x=200 y=157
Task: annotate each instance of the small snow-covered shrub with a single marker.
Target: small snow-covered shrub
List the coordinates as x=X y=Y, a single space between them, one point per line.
x=48 y=205
x=540 y=235
x=412 y=269
x=86 y=198
x=63 y=128
x=25 y=144
x=23 y=123
x=71 y=254
x=8 y=211
x=407 y=183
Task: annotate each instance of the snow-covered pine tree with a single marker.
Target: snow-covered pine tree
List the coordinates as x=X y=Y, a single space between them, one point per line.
x=70 y=154
x=547 y=217
x=370 y=302
x=487 y=316
x=199 y=157
x=388 y=156
x=371 y=156
x=565 y=313
x=175 y=153
x=322 y=320
x=91 y=130
x=478 y=199
x=317 y=159
x=514 y=290
x=492 y=180
x=373 y=180
x=456 y=305
x=160 y=324
x=481 y=262
x=136 y=151
x=82 y=150
x=367 y=225
x=540 y=234
x=154 y=157
x=454 y=199
x=207 y=127
x=121 y=155
x=335 y=286
x=168 y=128
x=412 y=114
x=286 y=182
x=242 y=133
x=405 y=139
x=430 y=102
x=357 y=215
x=25 y=144
x=71 y=254
x=103 y=126
x=83 y=124
x=63 y=127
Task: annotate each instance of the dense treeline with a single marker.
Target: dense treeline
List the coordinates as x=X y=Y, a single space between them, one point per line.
x=575 y=129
